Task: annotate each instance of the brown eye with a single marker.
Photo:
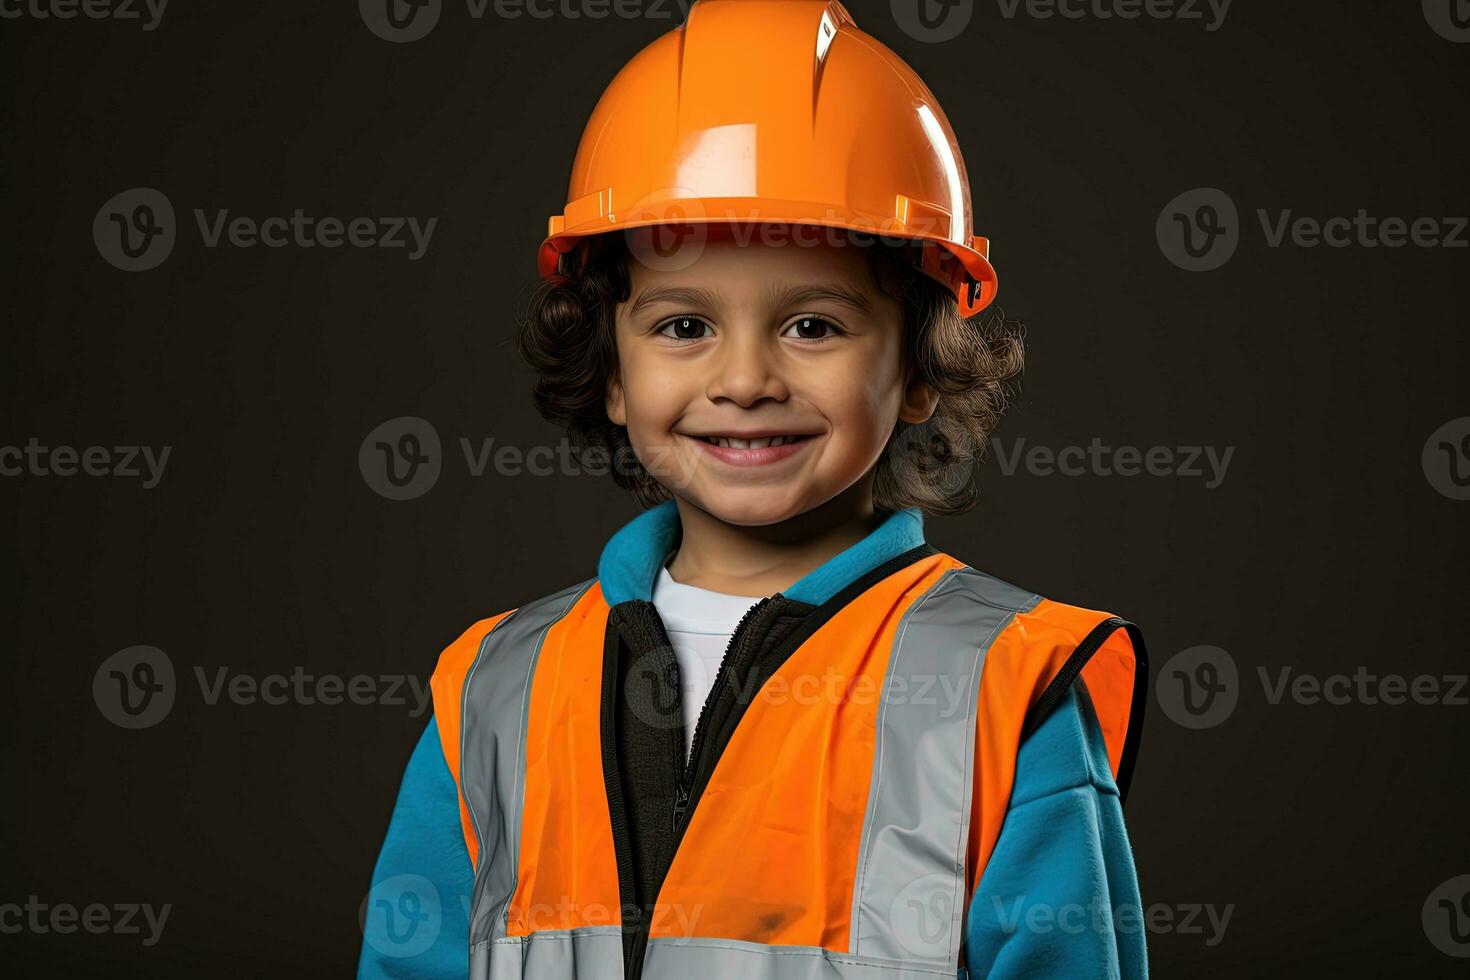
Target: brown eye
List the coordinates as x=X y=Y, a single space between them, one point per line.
x=683 y=328
x=812 y=328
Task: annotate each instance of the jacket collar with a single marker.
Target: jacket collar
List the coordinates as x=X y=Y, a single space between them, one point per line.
x=632 y=557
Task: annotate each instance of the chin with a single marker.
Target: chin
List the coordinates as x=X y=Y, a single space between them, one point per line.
x=750 y=506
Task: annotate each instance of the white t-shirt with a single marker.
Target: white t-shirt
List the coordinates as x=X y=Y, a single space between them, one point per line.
x=699 y=623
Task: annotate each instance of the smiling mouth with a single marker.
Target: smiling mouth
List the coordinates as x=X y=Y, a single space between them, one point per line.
x=765 y=442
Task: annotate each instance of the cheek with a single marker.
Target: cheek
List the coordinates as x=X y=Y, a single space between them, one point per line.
x=653 y=396
x=863 y=397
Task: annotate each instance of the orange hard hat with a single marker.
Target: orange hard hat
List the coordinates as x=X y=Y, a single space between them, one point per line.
x=775 y=112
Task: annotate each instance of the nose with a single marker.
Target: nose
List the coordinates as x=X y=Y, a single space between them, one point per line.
x=746 y=370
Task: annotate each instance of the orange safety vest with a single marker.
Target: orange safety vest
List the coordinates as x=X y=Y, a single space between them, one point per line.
x=848 y=819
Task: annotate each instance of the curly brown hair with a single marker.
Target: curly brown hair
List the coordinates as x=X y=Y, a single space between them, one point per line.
x=567 y=337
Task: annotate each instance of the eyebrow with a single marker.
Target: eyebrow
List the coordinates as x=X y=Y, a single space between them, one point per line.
x=683 y=295
x=790 y=296
x=839 y=293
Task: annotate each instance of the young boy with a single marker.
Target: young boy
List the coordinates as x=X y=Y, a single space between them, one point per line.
x=778 y=735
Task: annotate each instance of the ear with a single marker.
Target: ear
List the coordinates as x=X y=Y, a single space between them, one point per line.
x=919 y=401
x=615 y=403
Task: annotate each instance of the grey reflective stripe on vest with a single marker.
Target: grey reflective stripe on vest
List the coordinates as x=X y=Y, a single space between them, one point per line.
x=497 y=691
x=596 y=953
x=908 y=899
x=728 y=959
x=591 y=953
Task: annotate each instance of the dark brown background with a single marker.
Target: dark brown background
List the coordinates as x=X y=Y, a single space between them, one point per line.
x=263 y=548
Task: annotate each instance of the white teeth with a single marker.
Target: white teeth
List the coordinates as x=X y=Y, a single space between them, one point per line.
x=729 y=442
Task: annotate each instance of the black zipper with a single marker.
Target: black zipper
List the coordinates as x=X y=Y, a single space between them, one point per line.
x=683 y=790
x=685 y=787
x=685 y=796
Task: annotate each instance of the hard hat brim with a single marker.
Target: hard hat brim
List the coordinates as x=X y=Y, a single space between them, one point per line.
x=964 y=266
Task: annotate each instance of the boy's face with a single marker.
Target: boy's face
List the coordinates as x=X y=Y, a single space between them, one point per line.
x=755 y=341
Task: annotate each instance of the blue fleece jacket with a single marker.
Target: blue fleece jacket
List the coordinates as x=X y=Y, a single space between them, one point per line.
x=1058 y=898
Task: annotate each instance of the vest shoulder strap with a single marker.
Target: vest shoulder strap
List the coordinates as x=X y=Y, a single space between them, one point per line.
x=447 y=687
x=515 y=635
x=1046 y=647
